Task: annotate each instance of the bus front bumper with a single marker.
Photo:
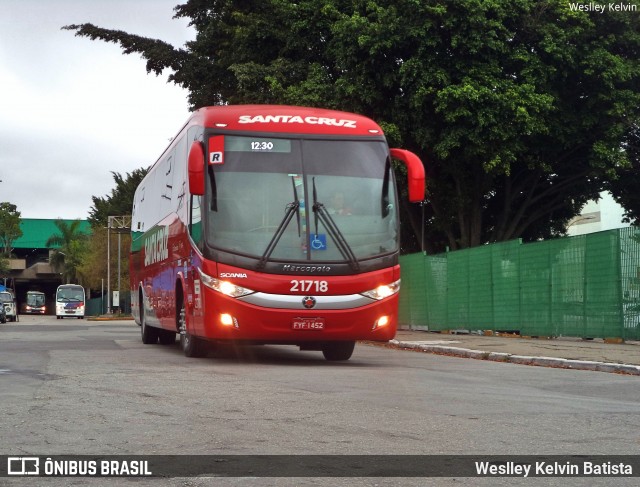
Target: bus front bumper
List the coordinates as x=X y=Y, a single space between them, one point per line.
x=235 y=319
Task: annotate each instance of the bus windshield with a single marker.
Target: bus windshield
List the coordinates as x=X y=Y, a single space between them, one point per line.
x=302 y=200
x=67 y=294
x=35 y=299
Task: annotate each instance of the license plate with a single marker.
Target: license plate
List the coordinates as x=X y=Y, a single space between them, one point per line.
x=308 y=324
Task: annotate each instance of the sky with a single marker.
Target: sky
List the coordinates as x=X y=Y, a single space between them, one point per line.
x=73 y=110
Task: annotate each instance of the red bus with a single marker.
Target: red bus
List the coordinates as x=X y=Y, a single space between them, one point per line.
x=270 y=225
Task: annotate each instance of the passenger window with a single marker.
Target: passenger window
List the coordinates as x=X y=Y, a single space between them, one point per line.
x=195 y=225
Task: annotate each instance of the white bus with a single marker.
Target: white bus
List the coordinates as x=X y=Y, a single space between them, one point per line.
x=70 y=301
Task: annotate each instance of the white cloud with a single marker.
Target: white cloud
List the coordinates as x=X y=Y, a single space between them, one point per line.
x=72 y=110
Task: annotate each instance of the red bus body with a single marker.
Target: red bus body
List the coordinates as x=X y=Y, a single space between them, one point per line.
x=234 y=239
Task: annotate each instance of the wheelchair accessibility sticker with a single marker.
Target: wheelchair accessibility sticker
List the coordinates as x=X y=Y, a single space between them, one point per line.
x=318 y=242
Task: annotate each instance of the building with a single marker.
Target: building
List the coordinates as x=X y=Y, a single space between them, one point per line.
x=596 y=216
x=30 y=268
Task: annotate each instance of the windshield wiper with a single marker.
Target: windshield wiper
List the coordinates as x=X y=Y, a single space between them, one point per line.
x=323 y=215
x=296 y=199
x=293 y=207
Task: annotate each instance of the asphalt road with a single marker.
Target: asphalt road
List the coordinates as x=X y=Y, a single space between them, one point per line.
x=78 y=387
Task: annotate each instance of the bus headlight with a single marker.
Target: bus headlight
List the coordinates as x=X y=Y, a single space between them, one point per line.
x=381 y=322
x=225 y=287
x=383 y=291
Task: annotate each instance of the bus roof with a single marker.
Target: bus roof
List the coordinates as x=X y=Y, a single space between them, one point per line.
x=282 y=118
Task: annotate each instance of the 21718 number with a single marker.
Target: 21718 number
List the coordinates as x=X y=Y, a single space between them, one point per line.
x=306 y=286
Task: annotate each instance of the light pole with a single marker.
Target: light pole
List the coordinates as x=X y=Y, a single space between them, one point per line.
x=120 y=224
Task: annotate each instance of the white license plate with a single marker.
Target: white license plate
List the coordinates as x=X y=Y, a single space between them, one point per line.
x=307 y=324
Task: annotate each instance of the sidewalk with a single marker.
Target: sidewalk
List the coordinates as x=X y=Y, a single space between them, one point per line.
x=570 y=353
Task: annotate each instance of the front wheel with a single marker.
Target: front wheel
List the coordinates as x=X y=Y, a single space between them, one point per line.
x=149 y=333
x=192 y=347
x=337 y=351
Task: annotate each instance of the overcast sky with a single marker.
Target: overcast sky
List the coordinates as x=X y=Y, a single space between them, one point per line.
x=72 y=110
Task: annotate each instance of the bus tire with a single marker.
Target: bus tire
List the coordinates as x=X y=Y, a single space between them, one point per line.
x=166 y=337
x=337 y=351
x=149 y=334
x=192 y=347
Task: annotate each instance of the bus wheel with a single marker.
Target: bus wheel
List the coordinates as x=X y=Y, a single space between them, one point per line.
x=149 y=333
x=335 y=351
x=167 y=337
x=193 y=347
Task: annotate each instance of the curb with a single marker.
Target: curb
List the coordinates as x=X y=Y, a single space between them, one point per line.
x=106 y=318
x=560 y=363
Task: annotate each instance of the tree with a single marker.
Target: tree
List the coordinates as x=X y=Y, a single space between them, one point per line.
x=518 y=108
x=4 y=266
x=94 y=264
x=9 y=227
x=71 y=245
x=626 y=186
x=120 y=201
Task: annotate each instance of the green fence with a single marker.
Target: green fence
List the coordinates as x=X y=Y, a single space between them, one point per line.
x=586 y=286
x=98 y=306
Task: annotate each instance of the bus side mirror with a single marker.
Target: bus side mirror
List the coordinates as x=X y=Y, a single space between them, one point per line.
x=196 y=169
x=415 y=173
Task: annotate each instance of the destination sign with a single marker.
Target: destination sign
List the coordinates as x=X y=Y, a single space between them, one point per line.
x=256 y=144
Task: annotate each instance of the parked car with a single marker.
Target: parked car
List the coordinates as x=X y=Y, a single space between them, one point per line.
x=8 y=302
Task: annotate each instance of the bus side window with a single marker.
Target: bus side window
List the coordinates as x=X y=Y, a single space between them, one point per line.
x=137 y=221
x=164 y=176
x=179 y=175
x=194 y=202
x=195 y=225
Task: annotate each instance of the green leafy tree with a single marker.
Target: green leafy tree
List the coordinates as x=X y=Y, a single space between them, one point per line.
x=71 y=248
x=626 y=185
x=519 y=109
x=9 y=227
x=4 y=266
x=120 y=201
